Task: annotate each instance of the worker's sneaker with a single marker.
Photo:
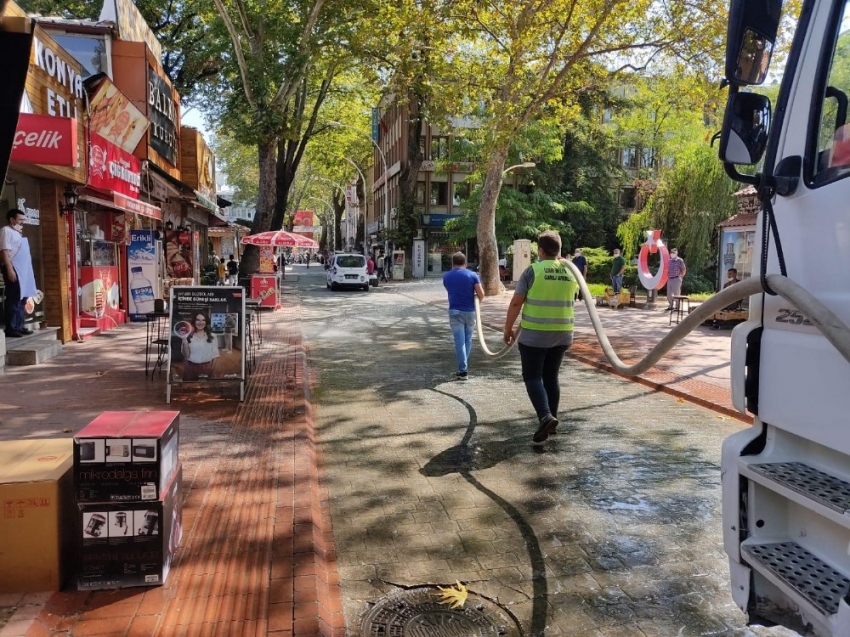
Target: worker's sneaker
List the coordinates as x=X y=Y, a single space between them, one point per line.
x=462 y=375
x=547 y=428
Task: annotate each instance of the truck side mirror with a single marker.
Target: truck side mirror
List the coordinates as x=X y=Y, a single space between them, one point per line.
x=753 y=25
x=745 y=127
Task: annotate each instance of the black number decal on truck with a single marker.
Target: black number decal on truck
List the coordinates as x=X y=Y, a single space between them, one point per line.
x=793 y=317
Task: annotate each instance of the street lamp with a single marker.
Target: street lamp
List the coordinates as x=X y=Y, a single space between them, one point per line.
x=385 y=174
x=528 y=164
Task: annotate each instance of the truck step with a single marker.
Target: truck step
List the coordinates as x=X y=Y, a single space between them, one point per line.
x=821 y=487
x=815 y=580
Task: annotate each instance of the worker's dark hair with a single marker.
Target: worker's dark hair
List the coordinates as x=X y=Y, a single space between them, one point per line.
x=735 y=270
x=549 y=243
x=458 y=258
x=14 y=212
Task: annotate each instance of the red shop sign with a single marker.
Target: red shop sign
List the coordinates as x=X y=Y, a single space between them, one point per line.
x=42 y=139
x=113 y=168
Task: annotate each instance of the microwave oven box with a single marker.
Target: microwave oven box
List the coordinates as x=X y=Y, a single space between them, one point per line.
x=131 y=543
x=126 y=456
x=37 y=520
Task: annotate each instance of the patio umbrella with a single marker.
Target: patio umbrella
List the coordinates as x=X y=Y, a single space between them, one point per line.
x=280 y=238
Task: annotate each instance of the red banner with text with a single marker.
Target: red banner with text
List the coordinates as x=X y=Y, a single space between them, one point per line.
x=112 y=168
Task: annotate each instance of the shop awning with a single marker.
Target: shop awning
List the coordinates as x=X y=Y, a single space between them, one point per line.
x=124 y=204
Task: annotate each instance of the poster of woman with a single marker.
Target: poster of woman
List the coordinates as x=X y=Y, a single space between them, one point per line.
x=207 y=336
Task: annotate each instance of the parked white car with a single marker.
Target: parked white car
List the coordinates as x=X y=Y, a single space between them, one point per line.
x=347 y=270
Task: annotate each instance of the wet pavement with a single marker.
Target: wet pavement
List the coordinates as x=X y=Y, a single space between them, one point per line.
x=610 y=528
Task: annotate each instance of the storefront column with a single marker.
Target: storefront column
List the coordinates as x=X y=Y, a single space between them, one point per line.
x=54 y=238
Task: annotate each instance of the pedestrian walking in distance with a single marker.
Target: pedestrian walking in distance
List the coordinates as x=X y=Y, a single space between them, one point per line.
x=462 y=287
x=544 y=295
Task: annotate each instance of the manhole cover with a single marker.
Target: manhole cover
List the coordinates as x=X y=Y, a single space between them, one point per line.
x=417 y=612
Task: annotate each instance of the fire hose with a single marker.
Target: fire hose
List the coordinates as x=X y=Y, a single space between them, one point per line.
x=829 y=324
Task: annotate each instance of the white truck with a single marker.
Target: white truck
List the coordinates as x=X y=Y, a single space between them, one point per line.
x=786 y=480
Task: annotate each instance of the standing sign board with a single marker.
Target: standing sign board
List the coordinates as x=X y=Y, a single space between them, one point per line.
x=207 y=336
x=418 y=259
x=264 y=290
x=398 y=265
x=143 y=268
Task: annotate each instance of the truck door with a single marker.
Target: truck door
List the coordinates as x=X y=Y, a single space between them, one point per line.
x=787 y=480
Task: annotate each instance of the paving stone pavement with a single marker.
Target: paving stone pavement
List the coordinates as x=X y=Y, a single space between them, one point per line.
x=610 y=528
x=257 y=553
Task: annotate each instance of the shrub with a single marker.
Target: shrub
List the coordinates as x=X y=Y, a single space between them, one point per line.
x=599 y=271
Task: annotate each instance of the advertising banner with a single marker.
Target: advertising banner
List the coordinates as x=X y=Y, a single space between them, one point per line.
x=398 y=265
x=115 y=118
x=207 y=336
x=112 y=168
x=142 y=266
x=179 y=254
x=42 y=139
x=302 y=223
x=264 y=290
x=267 y=261
x=99 y=292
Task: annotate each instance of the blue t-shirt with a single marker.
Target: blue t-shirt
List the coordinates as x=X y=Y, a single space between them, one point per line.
x=460 y=284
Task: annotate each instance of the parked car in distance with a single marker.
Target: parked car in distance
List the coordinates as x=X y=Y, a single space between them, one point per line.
x=347 y=270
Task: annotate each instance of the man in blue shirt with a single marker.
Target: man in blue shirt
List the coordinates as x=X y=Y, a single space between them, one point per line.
x=462 y=286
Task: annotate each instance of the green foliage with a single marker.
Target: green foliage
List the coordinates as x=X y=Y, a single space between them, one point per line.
x=632 y=232
x=519 y=215
x=696 y=283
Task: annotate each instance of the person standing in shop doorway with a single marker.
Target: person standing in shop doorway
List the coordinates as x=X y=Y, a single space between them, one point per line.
x=17 y=270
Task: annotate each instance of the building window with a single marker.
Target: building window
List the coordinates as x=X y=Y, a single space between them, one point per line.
x=422 y=146
x=439 y=147
x=630 y=157
x=89 y=51
x=461 y=192
x=439 y=193
x=647 y=158
x=628 y=197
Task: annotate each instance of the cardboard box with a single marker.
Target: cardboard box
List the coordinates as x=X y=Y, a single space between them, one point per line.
x=37 y=518
x=129 y=544
x=126 y=456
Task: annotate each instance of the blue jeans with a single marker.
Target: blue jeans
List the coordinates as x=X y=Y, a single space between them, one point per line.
x=462 y=324
x=540 y=368
x=617 y=281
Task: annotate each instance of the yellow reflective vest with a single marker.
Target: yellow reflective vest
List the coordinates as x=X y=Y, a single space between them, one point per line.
x=548 y=305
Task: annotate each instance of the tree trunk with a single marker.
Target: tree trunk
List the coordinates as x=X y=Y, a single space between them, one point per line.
x=406 y=218
x=339 y=208
x=267 y=154
x=285 y=175
x=488 y=249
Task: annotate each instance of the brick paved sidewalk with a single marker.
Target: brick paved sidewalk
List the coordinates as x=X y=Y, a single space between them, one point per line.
x=686 y=372
x=257 y=555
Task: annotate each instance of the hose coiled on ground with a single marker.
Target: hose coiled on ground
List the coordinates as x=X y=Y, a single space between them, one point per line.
x=835 y=331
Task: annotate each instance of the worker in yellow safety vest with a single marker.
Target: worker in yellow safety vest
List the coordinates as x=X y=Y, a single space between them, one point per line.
x=544 y=294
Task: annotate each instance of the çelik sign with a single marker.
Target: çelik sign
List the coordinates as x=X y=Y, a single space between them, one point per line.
x=163 y=117
x=41 y=139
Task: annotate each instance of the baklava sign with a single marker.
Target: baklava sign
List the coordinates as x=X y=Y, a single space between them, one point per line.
x=163 y=115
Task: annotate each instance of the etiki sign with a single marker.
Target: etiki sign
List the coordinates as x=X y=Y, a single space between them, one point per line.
x=112 y=168
x=653 y=245
x=66 y=102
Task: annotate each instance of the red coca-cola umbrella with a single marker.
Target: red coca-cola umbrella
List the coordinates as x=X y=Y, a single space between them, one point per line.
x=280 y=238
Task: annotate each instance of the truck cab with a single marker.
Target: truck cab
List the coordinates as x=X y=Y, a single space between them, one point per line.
x=786 y=479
